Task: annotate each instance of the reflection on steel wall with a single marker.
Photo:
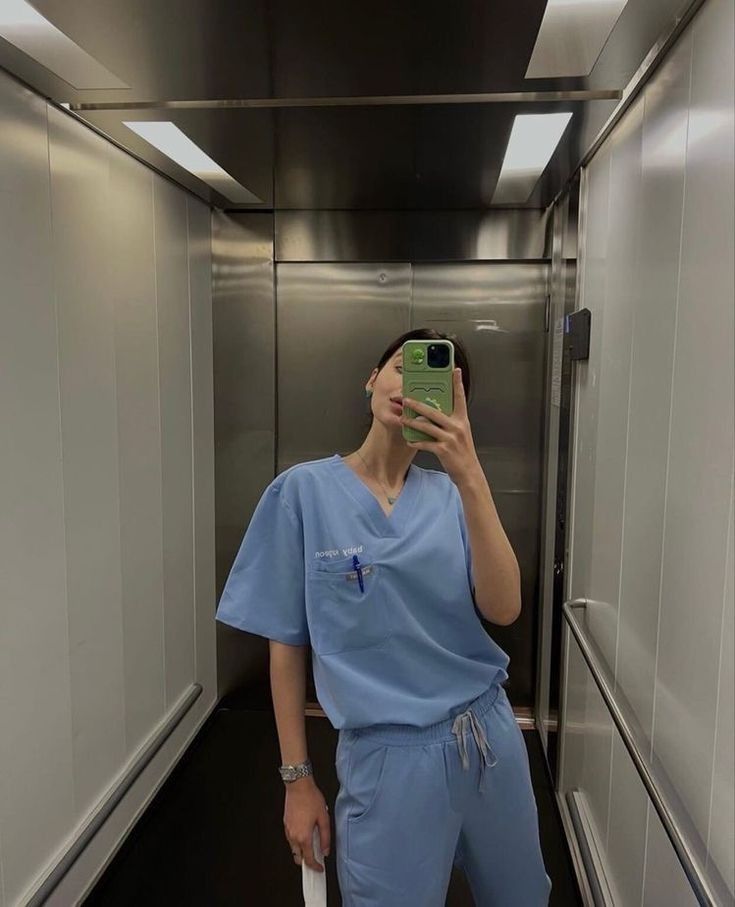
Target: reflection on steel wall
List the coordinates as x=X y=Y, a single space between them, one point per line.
x=333 y=323
x=335 y=320
x=499 y=311
x=244 y=401
x=563 y=285
x=494 y=235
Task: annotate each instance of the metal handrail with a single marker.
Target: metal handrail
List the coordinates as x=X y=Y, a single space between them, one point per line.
x=689 y=860
x=123 y=785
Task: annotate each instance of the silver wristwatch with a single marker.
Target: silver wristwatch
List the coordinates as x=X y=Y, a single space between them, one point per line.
x=294 y=772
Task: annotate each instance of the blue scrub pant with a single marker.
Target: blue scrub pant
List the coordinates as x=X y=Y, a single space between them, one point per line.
x=414 y=801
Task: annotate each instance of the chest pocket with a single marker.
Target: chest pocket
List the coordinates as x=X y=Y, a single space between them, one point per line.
x=342 y=617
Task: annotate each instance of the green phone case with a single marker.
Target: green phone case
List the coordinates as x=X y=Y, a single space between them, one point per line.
x=430 y=385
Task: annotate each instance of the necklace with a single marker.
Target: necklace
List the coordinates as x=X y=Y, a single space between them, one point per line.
x=391 y=500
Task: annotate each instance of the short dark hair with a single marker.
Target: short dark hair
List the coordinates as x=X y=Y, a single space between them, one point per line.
x=461 y=359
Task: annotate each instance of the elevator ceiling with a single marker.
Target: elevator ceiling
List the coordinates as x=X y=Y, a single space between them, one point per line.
x=373 y=146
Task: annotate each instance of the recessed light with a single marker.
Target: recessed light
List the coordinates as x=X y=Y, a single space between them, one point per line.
x=171 y=141
x=571 y=36
x=25 y=28
x=532 y=141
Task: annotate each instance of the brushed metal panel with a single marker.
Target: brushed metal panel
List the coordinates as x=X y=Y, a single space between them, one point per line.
x=79 y=199
x=345 y=158
x=199 y=220
x=498 y=311
x=701 y=441
x=244 y=343
x=665 y=881
x=601 y=425
x=224 y=47
x=721 y=845
x=510 y=233
x=572 y=725
x=342 y=317
x=587 y=736
x=597 y=764
x=569 y=40
x=615 y=324
x=519 y=514
x=626 y=844
x=655 y=264
x=426 y=157
x=416 y=236
x=37 y=804
x=290 y=49
x=174 y=376
x=132 y=287
x=594 y=203
x=327 y=48
x=343 y=236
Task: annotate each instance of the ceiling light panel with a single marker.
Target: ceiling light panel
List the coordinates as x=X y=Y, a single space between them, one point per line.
x=172 y=142
x=571 y=37
x=532 y=141
x=25 y=28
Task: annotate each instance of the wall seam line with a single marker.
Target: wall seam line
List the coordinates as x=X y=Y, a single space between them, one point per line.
x=160 y=445
x=194 y=613
x=61 y=452
x=668 y=462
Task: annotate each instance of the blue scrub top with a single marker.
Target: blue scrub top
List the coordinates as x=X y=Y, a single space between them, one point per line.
x=409 y=648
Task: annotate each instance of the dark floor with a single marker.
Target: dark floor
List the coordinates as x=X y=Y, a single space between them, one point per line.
x=213 y=836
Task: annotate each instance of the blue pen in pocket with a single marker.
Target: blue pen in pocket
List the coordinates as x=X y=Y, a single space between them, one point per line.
x=356 y=565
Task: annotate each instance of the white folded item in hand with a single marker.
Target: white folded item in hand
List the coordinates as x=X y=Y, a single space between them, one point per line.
x=314 y=883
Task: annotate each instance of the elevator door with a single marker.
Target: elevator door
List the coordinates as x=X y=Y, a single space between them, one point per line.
x=333 y=323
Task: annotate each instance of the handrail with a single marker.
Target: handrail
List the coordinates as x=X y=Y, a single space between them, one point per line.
x=691 y=864
x=186 y=701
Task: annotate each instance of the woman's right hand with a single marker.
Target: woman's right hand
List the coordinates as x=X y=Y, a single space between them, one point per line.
x=306 y=807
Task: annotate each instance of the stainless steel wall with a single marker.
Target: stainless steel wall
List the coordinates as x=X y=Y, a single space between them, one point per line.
x=651 y=534
x=489 y=235
x=499 y=311
x=106 y=506
x=342 y=315
x=244 y=342
x=338 y=316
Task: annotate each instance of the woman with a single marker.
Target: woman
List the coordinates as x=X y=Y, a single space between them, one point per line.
x=383 y=568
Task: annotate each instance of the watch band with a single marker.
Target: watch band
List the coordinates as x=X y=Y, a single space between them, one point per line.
x=291 y=773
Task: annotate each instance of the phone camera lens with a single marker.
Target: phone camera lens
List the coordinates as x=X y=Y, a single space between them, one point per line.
x=438 y=355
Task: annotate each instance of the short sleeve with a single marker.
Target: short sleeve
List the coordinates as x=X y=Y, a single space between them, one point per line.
x=264 y=593
x=465 y=540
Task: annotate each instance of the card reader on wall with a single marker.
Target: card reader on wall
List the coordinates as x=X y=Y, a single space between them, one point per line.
x=577 y=334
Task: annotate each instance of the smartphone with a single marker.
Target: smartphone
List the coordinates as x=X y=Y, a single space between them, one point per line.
x=428 y=368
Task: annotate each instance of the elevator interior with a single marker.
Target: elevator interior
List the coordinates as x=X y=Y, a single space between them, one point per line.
x=366 y=145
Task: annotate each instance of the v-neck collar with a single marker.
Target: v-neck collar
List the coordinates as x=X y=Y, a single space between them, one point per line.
x=386 y=526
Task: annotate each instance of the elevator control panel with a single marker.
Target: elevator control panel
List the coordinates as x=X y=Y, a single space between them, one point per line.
x=577 y=334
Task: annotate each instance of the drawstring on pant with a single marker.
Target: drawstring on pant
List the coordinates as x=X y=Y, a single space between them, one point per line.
x=459 y=729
